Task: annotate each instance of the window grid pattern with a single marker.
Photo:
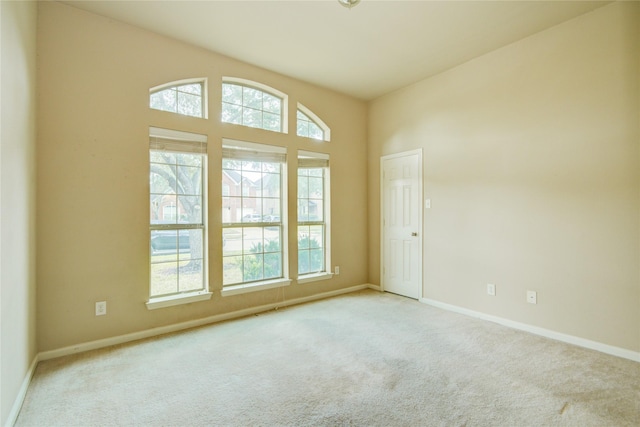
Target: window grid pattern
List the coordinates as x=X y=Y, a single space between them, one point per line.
x=311 y=221
x=184 y=99
x=248 y=106
x=251 y=221
x=176 y=222
x=306 y=127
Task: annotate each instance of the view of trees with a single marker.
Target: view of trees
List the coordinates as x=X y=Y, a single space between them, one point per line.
x=176 y=198
x=243 y=105
x=184 y=99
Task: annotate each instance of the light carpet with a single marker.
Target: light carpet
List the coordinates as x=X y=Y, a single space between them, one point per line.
x=362 y=359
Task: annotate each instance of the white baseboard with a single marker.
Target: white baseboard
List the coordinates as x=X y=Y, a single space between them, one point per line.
x=22 y=393
x=148 y=333
x=374 y=287
x=570 y=339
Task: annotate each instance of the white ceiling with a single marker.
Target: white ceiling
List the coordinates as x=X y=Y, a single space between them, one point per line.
x=375 y=48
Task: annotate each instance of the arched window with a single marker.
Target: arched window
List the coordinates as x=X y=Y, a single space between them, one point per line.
x=310 y=126
x=186 y=97
x=254 y=105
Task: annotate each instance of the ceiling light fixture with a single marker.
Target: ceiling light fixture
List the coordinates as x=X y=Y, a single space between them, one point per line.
x=349 y=3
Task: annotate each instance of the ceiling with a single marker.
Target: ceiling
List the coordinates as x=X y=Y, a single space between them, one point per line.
x=373 y=49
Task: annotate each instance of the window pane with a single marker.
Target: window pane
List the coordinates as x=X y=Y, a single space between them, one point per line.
x=272 y=239
x=303 y=210
x=251 y=107
x=189 y=105
x=232 y=270
x=164 y=278
x=303 y=261
x=188 y=160
x=271 y=210
x=253 y=268
x=231 y=94
x=252 y=118
x=303 y=187
x=190 y=277
x=163 y=242
x=252 y=98
x=231 y=113
x=315 y=131
x=231 y=209
x=190 y=180
x=302 y=128
x=315 y=188
x=190 y=210
x=272 y=265
x=165 y=100
x=316 y=260
x=185 y=99
x=252 y=240
x=162 y=178
x=271 y=121
x=316 y=212
x=303 y=237
x=271 y=104
x=270 y=185
x=316 y=236
x=232 y=241
x=195 y=88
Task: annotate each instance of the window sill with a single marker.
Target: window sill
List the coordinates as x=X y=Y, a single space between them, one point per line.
x=252 y=287
x=307 y=278
x=168 y=301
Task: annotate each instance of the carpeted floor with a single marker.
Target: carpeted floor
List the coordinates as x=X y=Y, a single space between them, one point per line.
x=363 y=359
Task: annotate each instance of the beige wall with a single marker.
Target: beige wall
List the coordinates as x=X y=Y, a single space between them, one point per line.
x=94 y=77
x=17 y=198
x=531 y=160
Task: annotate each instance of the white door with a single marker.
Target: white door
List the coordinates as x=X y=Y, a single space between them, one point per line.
x=402 y=224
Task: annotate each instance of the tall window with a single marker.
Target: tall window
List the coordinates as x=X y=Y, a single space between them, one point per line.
x=313 y=213
x=254 y=105
x=252 y=213
x=177 y=177
x=186 y=98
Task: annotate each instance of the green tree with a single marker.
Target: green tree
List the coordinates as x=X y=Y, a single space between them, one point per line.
x=180 y=174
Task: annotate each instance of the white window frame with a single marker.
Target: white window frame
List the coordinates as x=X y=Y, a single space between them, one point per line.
x=284 y=118
x=175 y=84
x=261 y=152
x=313 y=159
x=326 y=131
x=171 y=140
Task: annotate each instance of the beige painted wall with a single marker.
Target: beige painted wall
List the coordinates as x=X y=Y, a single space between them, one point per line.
x=17 y=198
x=531 y=160
x=94 y=77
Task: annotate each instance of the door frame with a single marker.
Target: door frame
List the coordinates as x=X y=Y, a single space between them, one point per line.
x=416 y=152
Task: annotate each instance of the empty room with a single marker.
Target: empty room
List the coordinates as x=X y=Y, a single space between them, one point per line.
x=332 y=212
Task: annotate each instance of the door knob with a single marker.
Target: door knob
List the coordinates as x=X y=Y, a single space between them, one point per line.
x=414 y=234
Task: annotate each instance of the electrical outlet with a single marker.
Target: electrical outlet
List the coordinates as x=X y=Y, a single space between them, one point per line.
x=336 y=270
x=491 y=289
x=101 y=308
x=532 y=297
